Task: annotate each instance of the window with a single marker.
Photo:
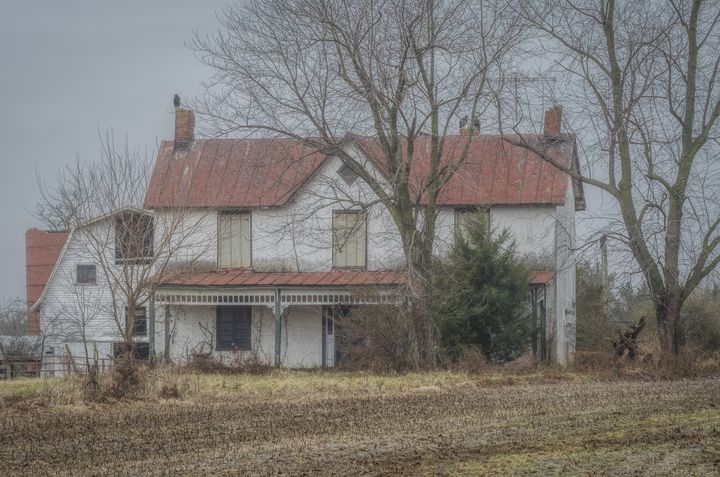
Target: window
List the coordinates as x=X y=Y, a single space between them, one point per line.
x=234 y=240
x=347 y=174
x=134 y=234
x=465 y=217
x=349 y=239
x=86 y=275
x=233 y=328
x=140 y=325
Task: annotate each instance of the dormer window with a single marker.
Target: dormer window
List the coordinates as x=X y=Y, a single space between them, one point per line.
x=347 y=174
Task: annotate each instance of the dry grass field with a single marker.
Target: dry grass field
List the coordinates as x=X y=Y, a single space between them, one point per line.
x=295 y=423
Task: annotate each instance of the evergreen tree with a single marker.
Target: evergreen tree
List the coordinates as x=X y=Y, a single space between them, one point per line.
x=483 y=294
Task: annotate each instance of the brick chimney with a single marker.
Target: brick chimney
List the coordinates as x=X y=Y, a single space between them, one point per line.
x=469 y=129
x=553 y=121
x=184 y=128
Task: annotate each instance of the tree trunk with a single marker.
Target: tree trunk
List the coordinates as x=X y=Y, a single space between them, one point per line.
x=419 y=282
x=668 y=318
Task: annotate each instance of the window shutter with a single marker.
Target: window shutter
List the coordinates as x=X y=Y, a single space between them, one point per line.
x=349 y=239
x=234 y=327
x=235 y=240
x=224 y=230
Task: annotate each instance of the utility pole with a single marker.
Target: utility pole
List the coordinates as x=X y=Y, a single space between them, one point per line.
x=605 y=277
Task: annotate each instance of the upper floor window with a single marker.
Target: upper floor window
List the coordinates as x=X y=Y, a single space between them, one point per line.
x=134 y=235
x=234 y=239
x=349 y=239
x=86 y=275
x=465 y=218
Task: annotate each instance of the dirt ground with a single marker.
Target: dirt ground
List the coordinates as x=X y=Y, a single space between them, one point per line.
x=458 y=426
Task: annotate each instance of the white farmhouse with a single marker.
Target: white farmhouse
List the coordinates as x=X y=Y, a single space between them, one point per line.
x=277 y=240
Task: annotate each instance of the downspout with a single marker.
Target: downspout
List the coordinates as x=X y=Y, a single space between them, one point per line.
x=278 y=325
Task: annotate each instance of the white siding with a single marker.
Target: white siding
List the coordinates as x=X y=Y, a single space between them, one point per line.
x=298 y=237
x=192 y=331
x=73 y=313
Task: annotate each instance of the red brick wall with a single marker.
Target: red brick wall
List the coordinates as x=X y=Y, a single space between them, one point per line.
x=42 y=249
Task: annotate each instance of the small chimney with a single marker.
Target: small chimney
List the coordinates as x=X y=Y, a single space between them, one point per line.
x=184 y=126
x=553 y=121
x=472 y=129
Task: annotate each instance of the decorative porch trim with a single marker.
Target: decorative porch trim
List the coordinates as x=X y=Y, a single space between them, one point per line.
x=194 y=296
x=267 y=297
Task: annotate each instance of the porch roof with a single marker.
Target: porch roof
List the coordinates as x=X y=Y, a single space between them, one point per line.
x=248 y=278
x=541 y=277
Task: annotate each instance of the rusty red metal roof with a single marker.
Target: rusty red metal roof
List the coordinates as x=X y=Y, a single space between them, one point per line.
x=242 y=277
x=42 y=249
x=494 y=172
x=541 y=277
x=230 y=173
x=248 y=173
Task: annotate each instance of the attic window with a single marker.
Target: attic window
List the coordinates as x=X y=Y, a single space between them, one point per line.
x=347 y=174
x=133 y=238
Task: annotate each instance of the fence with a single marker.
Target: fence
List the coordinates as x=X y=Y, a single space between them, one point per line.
x=25 y=366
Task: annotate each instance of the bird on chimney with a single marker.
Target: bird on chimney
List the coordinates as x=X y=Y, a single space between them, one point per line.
x=176 y=101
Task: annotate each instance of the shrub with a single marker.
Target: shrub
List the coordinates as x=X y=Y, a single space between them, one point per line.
x=125 y=377
x=482 y=295
x=376 y=338
x=700 y=321
x=594 y=323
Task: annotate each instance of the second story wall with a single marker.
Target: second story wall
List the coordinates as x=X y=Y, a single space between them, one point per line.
x=299 y=236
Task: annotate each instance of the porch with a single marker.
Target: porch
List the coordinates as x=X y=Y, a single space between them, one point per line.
x=282 y=319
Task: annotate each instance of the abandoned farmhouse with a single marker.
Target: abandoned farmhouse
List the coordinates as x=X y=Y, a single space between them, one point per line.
x=275 y=241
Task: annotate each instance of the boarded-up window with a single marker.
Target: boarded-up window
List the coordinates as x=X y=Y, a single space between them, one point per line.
x=134 y=235
x=234 y=240
x=86 y=275
x=349 y=239
x=234 y=327
x=464 y=218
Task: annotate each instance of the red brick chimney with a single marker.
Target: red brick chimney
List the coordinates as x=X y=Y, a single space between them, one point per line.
x=553 y=121
x=42 y=249
x=184 y=128
x=468 y=129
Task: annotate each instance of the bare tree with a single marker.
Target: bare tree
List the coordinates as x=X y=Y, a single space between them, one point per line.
x=333 y=73
x=643 y=95
x=13 y=317
x=117 y=252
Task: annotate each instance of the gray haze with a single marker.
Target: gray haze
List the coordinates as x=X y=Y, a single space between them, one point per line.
x=70 y=69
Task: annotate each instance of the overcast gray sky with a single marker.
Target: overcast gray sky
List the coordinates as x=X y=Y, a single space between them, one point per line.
x=71 y=68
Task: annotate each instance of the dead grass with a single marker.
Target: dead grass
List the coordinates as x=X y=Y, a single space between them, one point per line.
x=497 y=423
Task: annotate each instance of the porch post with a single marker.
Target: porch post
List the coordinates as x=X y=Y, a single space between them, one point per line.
x=278 y=326
x=166 y=330
x=151 y=328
